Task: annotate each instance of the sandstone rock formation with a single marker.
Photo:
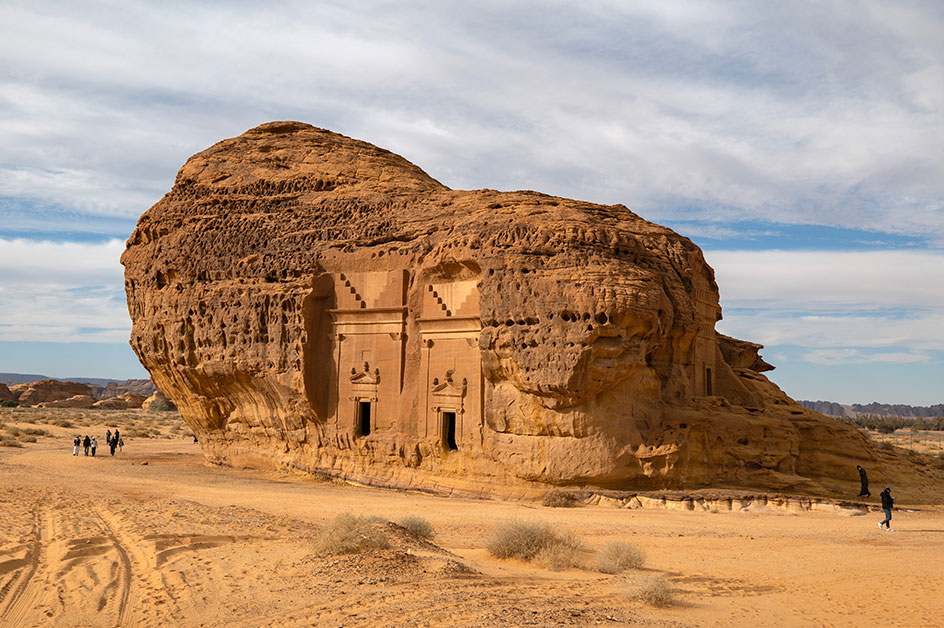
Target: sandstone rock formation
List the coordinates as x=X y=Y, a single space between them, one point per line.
x=311 y=300
x=5 y=393
x=158 y=402
x=76 y=401
x=34 y=393
x=112 y=403
x=143 y=387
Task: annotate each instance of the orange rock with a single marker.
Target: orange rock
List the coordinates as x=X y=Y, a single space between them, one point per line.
x=158 y=402
x=76 y=401
x=35 y=393
x=113 y=403
x=311 y=300
x=132 y=400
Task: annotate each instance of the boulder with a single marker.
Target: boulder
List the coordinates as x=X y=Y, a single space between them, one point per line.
x=5 y=393
x=314 y=301
x=76 y=401
x=132 y=399
x=113 y=403
x=35 y=393
x=158 y=402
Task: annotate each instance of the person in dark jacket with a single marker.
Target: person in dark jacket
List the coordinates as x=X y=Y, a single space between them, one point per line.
x=864 y=482
x=86 y=443
x=888 y=502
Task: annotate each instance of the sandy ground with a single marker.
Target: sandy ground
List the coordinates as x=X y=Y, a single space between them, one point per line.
x=112 y=541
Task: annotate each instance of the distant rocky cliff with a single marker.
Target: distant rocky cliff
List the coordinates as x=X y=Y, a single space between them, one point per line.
x=882 y=409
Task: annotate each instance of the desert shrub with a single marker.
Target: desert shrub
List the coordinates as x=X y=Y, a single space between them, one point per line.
x=520 y=539
x=528 y=540
x=27 y=439
x=617 y=557
x=12 y=430
x=35 y=431
x=348 y=534
x=560 y=499
x=63 y=423
x=564 y=552
x=417 y=526
x=8 y=403
x=9 y=442
x=653 y=589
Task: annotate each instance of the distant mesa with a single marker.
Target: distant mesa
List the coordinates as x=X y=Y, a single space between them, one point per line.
x=832 y=408
x=54 y=393
x=314 y=301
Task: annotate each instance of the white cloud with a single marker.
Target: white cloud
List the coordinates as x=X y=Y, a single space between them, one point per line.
x=830 y=281
x=798 y=112
x=834 y=357
x=62 y=292
x=847 y=301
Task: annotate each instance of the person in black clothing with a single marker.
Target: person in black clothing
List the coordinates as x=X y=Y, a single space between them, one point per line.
x=888 y=503
x=87 y=442
x=864 y=481
x=112 y=443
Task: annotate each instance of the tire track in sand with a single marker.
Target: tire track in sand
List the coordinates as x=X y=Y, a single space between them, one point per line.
x=25 y=590
x=121 y=591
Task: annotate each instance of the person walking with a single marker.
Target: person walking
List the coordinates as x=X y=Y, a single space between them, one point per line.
x=94 y=445
x=107 y=436
x=117 y=435
x=121 y=443
x=87 y=442
x=76 y=443
x=863 y=482
x=888 y=502
x=112 y=443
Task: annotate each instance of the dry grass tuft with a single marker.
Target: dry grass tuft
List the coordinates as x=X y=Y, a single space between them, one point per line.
x=538 y=542
x=653 y=589
x=417 y=526
x=617 y=557
x=565 y=552
x=520 y=539
x=348 y=534
x=560 y=499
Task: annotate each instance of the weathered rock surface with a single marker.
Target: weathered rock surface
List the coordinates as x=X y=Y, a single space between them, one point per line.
x=35 y=393
x=76 y=401
x=311 y=300
x=132 y=399
x=112 y=403
x=5 y=393
x=158 y=402
x=143 y=387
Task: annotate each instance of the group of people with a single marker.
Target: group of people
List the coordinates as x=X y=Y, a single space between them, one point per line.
x=90 y=444
x=888 y=502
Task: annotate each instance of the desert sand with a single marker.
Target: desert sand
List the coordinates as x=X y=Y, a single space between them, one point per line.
x=114 y=541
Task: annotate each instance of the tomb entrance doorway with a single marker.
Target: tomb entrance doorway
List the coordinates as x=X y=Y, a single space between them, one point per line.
x=363 y=418
x=449 y=431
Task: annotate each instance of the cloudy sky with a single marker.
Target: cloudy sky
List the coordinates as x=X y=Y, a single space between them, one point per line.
x=800 y=144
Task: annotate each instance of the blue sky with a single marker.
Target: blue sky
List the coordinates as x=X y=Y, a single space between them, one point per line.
x=798 y=143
